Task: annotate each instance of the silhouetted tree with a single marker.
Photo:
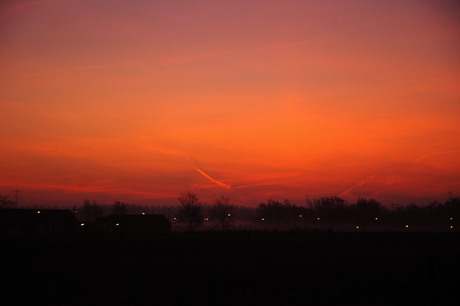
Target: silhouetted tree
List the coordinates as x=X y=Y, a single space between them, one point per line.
x=222 y=211
x=293 y=213
x=330 y=209
x=90 y=211
x=453 y=205
x=273 y=212
x=119 y=208
x=5 y=202
x=366 y=210
x=190 y=210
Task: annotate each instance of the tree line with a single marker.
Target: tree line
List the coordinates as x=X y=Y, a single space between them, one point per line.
x=323 y=213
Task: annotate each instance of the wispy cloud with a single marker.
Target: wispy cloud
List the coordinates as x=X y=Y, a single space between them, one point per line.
x=256 y=185
x=185 y=59
x=436 y=153
x=293 y=44
x=96 y=187
x=20 y=7
x=165 y=61
x=360 y=183
x=308 y=41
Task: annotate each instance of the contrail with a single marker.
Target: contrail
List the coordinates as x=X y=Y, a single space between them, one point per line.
x=436 y=153
x=354 y=186
x=213 y=180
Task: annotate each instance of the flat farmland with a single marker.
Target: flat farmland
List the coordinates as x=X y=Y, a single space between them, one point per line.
x=212 y=268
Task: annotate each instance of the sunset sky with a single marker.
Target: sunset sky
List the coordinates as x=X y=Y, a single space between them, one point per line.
x=139 y=101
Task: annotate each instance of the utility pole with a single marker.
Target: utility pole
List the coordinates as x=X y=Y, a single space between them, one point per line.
x=17 y=195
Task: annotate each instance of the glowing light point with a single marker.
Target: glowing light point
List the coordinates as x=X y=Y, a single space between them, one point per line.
x=451 y=227
x=118 y=224
x=82 y=224
x=376 y=218
x=407 y=226
x=38 y=212
x=143 y=213
x=450 y=218
x=357 y=226
x=262 y=219
x=229 y=215
x=317 y=218
x=300 y=216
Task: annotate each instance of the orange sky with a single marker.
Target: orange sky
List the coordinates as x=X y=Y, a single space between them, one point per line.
x=122 y=100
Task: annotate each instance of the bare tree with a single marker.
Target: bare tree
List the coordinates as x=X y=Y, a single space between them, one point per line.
x=190 y=210
x=5 y=201
x=90 y=211
x=119 y=208
x=222 y=211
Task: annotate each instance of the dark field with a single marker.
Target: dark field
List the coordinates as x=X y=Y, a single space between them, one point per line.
x=256 y=268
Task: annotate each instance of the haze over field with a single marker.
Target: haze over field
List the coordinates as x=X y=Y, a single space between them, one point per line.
x=140 y=101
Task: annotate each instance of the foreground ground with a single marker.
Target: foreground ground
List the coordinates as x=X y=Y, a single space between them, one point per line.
x=235 y=268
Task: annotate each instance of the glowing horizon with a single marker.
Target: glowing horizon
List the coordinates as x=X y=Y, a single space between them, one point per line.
x=277 y=99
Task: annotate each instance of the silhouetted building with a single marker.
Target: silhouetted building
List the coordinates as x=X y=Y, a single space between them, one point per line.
x=37 y=223
x=133 y=225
